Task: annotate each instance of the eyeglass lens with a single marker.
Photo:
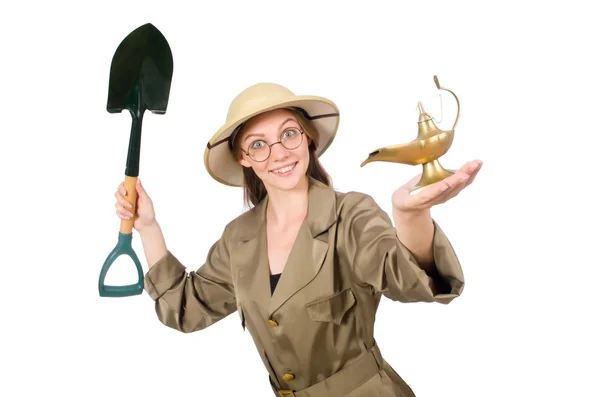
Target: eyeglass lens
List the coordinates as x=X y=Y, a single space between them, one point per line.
x=260 y=150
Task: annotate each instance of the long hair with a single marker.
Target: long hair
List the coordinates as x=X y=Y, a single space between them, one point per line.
x=254 y=188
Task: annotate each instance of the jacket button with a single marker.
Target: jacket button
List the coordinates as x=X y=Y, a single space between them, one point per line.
x=288 y=377
x=272 y=323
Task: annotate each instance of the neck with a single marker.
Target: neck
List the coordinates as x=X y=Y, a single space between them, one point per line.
x=288 y=206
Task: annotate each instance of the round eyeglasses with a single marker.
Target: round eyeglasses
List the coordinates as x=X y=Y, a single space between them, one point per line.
x=260 y=150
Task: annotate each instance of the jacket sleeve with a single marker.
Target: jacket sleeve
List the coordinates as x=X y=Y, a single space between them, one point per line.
x=192 y=301
x=380 y=260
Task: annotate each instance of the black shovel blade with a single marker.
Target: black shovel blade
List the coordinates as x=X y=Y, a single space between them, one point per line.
x=141 y=72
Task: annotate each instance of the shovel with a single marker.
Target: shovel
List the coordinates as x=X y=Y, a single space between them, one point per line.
x=140 y=80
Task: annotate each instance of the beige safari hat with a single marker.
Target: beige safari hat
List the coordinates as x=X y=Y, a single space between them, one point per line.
x=259 y=98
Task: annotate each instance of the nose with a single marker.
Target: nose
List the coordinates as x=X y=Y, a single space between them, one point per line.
x=278 y=152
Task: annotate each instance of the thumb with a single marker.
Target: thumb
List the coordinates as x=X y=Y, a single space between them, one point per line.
x=140 y=189
x=412 y=181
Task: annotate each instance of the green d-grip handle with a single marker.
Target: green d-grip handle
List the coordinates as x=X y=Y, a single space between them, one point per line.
x=123 y=247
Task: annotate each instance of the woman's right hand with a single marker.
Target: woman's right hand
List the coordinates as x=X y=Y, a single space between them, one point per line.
x=144 y=215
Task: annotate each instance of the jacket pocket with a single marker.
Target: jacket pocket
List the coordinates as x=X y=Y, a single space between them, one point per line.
x=333 y=308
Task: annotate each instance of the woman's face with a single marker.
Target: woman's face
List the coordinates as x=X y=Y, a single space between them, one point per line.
x=284 y=168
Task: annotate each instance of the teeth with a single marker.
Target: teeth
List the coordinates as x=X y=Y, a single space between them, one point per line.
x=284 y=169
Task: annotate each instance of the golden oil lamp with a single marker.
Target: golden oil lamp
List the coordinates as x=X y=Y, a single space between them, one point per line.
x=431 y=144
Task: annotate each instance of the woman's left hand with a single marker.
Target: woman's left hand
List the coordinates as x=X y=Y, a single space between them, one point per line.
x=437 y=193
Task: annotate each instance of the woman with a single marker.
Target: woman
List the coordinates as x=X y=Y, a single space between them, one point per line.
x=329 y=255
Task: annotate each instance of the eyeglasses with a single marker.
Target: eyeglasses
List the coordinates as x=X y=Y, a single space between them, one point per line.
x=260 y=150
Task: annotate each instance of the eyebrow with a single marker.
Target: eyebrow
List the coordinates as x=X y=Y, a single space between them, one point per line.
x=281 y=125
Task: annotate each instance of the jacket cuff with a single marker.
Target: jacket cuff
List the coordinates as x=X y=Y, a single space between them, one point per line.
x=449 y=282
x=163 y=275
x=450 y=272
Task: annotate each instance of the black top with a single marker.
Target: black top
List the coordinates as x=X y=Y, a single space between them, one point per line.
x=274 y=280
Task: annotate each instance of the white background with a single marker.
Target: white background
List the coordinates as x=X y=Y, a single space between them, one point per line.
x=527 y=77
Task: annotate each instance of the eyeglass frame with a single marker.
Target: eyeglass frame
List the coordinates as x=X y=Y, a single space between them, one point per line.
x=247 y=153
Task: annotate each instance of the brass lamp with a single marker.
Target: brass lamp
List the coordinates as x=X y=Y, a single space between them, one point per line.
x=431 y=144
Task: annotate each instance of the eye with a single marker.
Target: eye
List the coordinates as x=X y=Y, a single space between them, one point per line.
x=289 y=133
x=257 y=145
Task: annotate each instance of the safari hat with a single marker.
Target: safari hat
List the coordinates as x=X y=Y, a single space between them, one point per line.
x=259 y=98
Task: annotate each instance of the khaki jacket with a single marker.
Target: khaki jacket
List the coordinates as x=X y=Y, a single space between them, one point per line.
x=315 y=334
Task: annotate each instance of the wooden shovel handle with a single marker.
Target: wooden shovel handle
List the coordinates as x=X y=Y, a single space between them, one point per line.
x=131 y=196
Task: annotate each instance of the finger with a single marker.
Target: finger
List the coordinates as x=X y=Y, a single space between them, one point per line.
x=445 y=186
x=442 y=197
x=446 y=189
x=457 y=182
x=410 y=183
x=456 y=186
x=466 y=167
x=474 y=174
x=122 y=196
x=122 y=200
x=459 y=178
x=469 y=167
x=124 y=207
x=451 y=186
x=472 y=178
x=428 y=194
x=123 y=213
x=464 y=177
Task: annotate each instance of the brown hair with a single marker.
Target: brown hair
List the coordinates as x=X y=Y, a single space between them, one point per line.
x=254 y=188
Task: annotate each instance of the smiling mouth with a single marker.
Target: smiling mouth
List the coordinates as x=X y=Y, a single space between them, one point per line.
x=285 y=170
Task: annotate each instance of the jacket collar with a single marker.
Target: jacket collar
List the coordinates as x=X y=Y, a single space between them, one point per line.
x=320 y=216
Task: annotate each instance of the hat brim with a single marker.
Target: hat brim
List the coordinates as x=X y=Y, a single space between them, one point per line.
x=220 y=162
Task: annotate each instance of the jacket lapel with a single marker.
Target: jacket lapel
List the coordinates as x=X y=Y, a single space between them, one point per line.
x=311 y=246
x=251 y=259
x=303 y=264
x=306 y=257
